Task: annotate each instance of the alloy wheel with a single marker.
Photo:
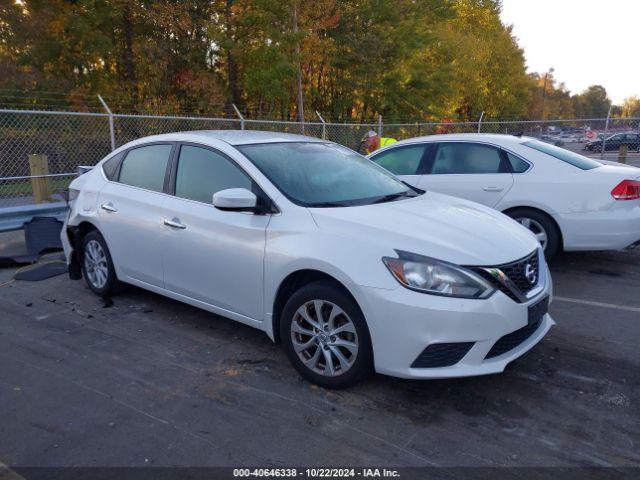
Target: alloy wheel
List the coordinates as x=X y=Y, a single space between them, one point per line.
x=95 y=263
x=536 y=228
x=324 y=338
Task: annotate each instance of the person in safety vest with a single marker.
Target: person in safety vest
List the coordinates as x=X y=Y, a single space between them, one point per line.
x=372 y=142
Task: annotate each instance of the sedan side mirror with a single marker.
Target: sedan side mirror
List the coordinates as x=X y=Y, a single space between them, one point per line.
x=235 y=199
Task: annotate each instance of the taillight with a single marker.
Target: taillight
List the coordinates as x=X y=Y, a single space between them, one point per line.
x=627 y=190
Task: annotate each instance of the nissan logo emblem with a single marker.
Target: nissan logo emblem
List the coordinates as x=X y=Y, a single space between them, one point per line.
x=530 y=273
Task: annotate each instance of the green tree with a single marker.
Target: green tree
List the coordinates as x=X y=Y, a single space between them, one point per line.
x=631 y=107
x=592 y=103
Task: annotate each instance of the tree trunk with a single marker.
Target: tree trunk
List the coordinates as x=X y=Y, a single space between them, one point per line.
x=128 y=61
x=232 y=66
x=300 y=102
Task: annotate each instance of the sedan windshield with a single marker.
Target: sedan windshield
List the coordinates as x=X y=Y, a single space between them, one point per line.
x=314 y=174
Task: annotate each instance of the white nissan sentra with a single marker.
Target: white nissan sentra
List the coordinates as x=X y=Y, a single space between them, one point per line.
x=329 y=254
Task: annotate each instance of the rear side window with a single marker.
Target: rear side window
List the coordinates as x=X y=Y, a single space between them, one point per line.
x=402 y=160
x=518 y=165
x=466 y=158
x=203 y=172
x=145 y=167
x=110 y=167
x=566 y=156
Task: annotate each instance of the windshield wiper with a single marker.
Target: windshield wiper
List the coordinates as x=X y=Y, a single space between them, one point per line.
x=330 y=204
x=394 y=196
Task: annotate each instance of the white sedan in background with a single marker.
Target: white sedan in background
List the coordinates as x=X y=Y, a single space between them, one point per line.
x=570 y=202
x=351 y=269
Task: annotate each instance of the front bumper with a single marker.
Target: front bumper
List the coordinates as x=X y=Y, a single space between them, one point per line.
x=403 y=323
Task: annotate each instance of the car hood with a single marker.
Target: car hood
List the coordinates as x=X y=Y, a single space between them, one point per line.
x=435 y=225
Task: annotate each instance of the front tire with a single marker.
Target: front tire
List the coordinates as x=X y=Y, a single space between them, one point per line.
x=97 y=266
x=325 y=336
x=542 y=227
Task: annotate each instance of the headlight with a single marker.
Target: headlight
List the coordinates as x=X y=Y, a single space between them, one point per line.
x=436 y=277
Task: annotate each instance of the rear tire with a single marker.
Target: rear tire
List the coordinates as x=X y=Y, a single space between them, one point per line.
x=97 y=266
x=542 y=227
x=325 y=336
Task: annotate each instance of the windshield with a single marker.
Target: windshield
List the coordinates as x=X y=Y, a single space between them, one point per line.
x=566 y=156
x=325 y=175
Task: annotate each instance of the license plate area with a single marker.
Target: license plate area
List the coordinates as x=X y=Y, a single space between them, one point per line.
x=537 y=311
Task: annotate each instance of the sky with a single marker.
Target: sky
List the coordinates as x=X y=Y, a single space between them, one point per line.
x=586 y=42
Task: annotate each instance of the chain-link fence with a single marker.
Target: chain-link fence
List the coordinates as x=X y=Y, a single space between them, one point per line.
x=41 y=150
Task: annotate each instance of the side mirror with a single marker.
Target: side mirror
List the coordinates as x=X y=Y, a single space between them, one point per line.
x=235 y=199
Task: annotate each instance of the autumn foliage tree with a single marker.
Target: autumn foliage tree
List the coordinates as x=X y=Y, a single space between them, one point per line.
x=407 y=59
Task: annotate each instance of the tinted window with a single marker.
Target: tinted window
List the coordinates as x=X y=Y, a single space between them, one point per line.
x=455 y=158
x=202 y=172
x=110 y=167
x=517 y=164
x=401 y=161
x=567 y=156
x=324 y=175
x=145 y=167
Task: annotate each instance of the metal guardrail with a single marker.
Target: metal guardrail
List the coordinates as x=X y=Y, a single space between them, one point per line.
x=14 y=218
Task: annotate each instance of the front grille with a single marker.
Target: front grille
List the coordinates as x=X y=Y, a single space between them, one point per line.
x=441 y=355
x=516 y=272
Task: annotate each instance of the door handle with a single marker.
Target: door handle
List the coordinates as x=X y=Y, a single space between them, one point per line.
x=175 y=223
x=492 y=189
x=108 y=207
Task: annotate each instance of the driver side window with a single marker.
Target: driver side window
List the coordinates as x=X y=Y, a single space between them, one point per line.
x=202 y=172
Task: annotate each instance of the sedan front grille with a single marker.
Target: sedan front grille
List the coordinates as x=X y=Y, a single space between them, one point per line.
x=515 y=279
x=516 y=272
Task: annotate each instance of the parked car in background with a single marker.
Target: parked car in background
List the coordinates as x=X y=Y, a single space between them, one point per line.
x=570 y=202
x=614 y=142
x=350 y=268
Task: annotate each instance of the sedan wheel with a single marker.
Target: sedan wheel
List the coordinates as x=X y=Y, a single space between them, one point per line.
x=324 y=338
x=542 y=226
x=95 y=264
x=325 y=335
x=537 y=229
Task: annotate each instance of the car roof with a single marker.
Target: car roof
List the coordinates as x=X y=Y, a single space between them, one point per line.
x=495 y=138
x=232 y=137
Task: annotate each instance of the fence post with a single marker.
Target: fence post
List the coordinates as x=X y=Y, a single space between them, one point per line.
x=39 y=169
x=622 y=154
x=112 y=132
x=606 y=128
x=324 y=125
x=239 y=116
x=380 y=126
x=480 y=121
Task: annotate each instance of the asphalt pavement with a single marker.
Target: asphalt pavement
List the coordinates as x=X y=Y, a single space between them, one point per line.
x=147 y=381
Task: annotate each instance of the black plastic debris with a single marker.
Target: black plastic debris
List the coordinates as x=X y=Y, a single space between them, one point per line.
x=42 y=234
x=41 y=271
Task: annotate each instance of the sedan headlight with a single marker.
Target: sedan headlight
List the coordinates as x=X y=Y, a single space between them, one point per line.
x=437 y=277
